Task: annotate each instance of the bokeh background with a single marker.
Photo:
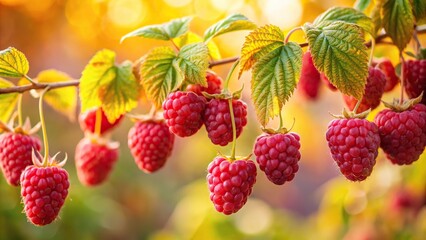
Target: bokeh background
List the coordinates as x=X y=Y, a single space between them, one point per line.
x=174 y=202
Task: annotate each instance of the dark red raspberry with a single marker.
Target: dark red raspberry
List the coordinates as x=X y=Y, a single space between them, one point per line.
x=150 y=143
x=214 y=85
x=310 y=78
x=43 y=190
x=94 y=160
x=278 y=156
x=388 y=69
x=88 y=120
x=217 y=119
x=328 y=83
x=374 y=90
x=403 y=134
x=15 y=154
x=415 y=78
x=183 y=112
x=230 y=183
x=354 y=145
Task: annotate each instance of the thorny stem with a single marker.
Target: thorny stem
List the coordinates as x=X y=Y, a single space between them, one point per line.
x=401 y=98
x=20 y=110
x=43 y=128
x=98 y=121
x=234 y=66
x=291 y=32
x=234 y=129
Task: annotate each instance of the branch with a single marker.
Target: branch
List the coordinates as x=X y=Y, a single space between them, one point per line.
x=20 y=89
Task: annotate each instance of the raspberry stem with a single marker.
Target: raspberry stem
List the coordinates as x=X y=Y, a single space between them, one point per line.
x=20 y=110
x=373 y=44
x=234 y=66
x=357 y=105
x=43 y=128
x=291 y=32
x=234 y=129
x=401 y=99
x=98 y=121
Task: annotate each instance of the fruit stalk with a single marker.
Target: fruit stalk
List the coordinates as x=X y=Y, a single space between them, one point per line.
x=43 y=128
x=291 y=32
x=401 y=98
x=234 y=66
x=234 y=129
x=20 y=110
x=98 y=121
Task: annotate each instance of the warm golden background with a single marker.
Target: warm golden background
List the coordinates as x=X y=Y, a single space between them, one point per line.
x=174 y=203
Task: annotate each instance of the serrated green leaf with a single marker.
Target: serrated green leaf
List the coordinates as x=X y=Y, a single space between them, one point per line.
x=361 y=5
x=376 y=16
x=193 y=62
x=63 y=100
x=338 y=50
x=348 y=15
x=398 y=21
x=166 y=31
x=258 y=43
x=419 y=9
x=275 y=77
x=160 y=74
x=103 y=84
x=13 y=63
x=7 y=101
x=234 y=22
x=191 y=37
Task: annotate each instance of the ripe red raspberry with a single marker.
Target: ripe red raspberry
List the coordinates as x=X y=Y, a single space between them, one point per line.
x=88 y=120
x=328 y=83
x=94 y=160
x=354 y=145
x=15 y=154
x=388 y=69
x=403 y=134
x=183 y=112
x=150 y=143
x=230 y=183
x=214 y=85
x=217 y=119
x=374 y=90
x=415 y=78
x=43 y=190
x=278 y=156
x=310 y=77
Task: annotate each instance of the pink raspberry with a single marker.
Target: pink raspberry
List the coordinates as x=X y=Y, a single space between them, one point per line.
x=310 y=77
x=415 y=78
x=214 y=85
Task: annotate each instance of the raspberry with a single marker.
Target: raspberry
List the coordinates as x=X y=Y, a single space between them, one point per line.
x=94 y=160
x=328 y=83
x=278 y=156
x=15 y=154
x=354 y=145
x=230 y=183
x=415 y=78
x=214 y=85
x=150 y=143
x=310 y=78
x=88 y=120
x=403 y=134
x=388 y=69
x=217 y=119
x=374 y=90
x=43 y=190
x=183 y=112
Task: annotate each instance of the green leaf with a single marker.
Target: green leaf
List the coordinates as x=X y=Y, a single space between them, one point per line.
x=234 y=22
x=63 y=100
x=419 y=9
x=376 y=16
x=160 y=74
x=103 y=84
x=338 y=50
x=193 y=62
x=7 y=101
x=258 y=43
x=166 y=31
x=361 y=5
x=191 y=37
x=13 y=63
x=274 y=79
x=398 y=21
x=348 y=15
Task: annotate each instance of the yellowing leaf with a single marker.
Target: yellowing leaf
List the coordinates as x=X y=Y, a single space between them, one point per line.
x=274 y=79
x=104 y=84
x=338 y=50
x=398 y=21
x=193 y=62
x=259 y=42
x=191 y=37
x=7 y=101
x=63 y=100
x=234 y=22
x=13 y=63
x=160 y=74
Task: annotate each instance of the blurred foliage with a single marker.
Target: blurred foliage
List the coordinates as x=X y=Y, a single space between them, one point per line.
x=174 y=203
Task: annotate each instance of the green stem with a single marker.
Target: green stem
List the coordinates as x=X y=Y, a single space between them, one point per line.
x=373 y=44
x=152 y=112
x=281 y=121
x=234 y=66
x=291 y=32
x=234 y=129
x=30 y=79
x=98 y=121
x=43 y=128
x=401 y=98
x=20 y=110
x=357 y=105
